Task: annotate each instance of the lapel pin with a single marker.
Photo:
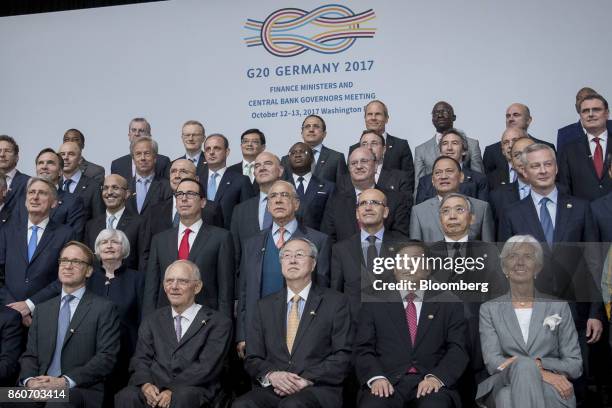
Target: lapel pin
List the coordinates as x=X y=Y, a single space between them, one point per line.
x=320 y=185
x=227 y=183
x=263 y=249
x=391 y=249
x=322 y=161
x=313 y=313
x=392 y=187
x=134 y=194
x=71 y=330
x=569 y=205
x=430 y=317
x=204 y=322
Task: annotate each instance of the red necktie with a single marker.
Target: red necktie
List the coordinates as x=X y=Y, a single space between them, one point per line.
x=598 y=158
x=184 y=247
x=411 y=318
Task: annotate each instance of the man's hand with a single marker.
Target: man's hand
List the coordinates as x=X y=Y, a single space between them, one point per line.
x=164 y=399
x=36 y=382
x=151 y=394
x=285 y=382
x=559 y=382
x=21 y=307
x=241 y=349
x=594 y=329
x=382 y=388
x=26 y=320
x=427 y=386
x=506 y=363
x=51 y=383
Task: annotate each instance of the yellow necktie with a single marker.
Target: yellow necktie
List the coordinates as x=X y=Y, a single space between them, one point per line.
x=293 y=321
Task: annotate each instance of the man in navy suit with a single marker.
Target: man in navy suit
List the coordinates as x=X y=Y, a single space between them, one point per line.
x=585 y=161
x=5 y=212
x=226 y=188
x=192 y=135
x=15 y=180
x=252 y=142
x=507 y=174
x=29 y=248
x=91 y=170
x=312 y=191
x=125 y=165
x=11 y=340
x=602 y=212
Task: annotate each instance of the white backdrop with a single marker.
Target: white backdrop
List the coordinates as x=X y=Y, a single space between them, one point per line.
x=178 y=60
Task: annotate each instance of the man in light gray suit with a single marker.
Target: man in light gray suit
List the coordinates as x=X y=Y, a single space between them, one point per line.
x=443 y=117
x=425 y=217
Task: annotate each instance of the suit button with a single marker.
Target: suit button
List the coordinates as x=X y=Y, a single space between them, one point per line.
x=27 y=281
x=290 y=362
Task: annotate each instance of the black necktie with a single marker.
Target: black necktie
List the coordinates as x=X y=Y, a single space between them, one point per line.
x=67 y=183
x=457 y=252
x=300 y=187
x=371 y=252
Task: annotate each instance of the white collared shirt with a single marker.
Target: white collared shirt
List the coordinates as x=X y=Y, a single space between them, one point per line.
x=306 y=177
x=316 y=152
x=220 y=174
x=194 y=159
x=603 y=140
x=551 y=204
x=118 y=214
x=174 y=210
x=245 y=172
x=195 y=228
x=377 y=174
x=187 y=317
x=303 y=295
x=9 y=177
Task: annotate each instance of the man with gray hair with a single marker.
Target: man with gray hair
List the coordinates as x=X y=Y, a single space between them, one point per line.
x=181 y=348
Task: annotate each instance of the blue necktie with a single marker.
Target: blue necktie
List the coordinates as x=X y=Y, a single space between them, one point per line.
x=33 y=242
x=267 y=218
x=212 y=186
x=111 y=222
x=546 y=221
x=63 y=321
x=67 y=183
x=141 y=193
x=524 y=191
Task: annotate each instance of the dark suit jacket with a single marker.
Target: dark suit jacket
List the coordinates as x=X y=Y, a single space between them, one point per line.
x=16 y=194
x=5 y=216
x=90 y=346
x=572 y=133
x=577 y=173
x=135 y=228
x=36 y=280
x=397 y=155
x=312 y=206
x=237 y=168
x=340 y=222
x=383 y=346
x=602 y=213
x=498 y=177
x=389 y=179
x=493 y=158
x=330 y=166
x=159 y=190
x=212 y=251
x=89 y=191
x=251 y=271
x=92 y=170
x=123 y=167
x=505 y=195
x=349 y=274
x=474 y=185
x=11 y=333
x=245 y=224
x=201 y=169
x=322 y=347
x=160 y=216
x=195 y=361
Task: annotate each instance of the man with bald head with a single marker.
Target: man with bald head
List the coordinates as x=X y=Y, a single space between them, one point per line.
x=90 y=169
x=506 y=174
x=339 y=220
x=443 y=118
x=115 y=192
x=517 y=115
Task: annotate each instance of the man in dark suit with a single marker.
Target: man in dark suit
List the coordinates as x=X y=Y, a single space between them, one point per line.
x=260 y=269
x=327 y=164
x=181 y=348
x=5 y=212
x=454 y=143
x=339 y=220
x=312 y=191
x=164 y=214
x=74 y=338
x=575 y=131
x=410 y=347
x=11 y=334
x=252 y=142
x=398 y=154
x=507 y=174
x=517 y=115
x=209 y=247
x=584 y=163
x=225 y=188
x=115 y=192
x=192 y=135
x=15 y=180
x=299 y=344
x=89 y=169
x=73 y=181
x=147 y=188
x=353 y=258
x=602 y=213
x=125 y=166
x=29 y=248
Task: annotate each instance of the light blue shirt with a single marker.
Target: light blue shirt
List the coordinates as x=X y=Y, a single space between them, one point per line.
x=76 y=177
x=524 y=189
x=365 y=244
x=551 y=205
x=316 y=151
x=290 y=228
x=263 y=202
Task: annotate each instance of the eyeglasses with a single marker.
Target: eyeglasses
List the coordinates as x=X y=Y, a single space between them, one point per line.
x=299 y=256
x=190 y=195
x=282 y=194
x=73 y=262
x=458 y=210
x=363 y=162
x=112 y=188
x=179 y=281
x=365 y=203
x=134 y=130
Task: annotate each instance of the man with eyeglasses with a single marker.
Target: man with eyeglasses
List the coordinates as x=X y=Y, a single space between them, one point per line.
x=299 y=338
x=147 y=187
x=425 y=220
x=260 y=269
x=74 y=338
x=209 y=247
x=252 y=142
x=507 y=174
x=15 y=180
x=115 y=192
x=339 y=221
x=584 y=163
x=91 y=170
x=313 y=192
x=443 y=118
x=327 y=164
x=125 y=166
x=192 y=136
x=29 y=249
x=181 y=347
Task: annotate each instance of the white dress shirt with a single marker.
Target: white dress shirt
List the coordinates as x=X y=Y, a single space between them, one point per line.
x=118 y=214
x=603 y=142
x=195 y=228
x=245 y=169
x=187 y=317
x=306 y=177
x=9 y=178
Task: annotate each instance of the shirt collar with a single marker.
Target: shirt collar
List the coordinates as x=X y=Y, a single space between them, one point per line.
x=306 y=177
x=76 y=177
x=78 y=294
x=438 y=136
x=148 y=178
x=552 y=196
x=418 y=293
x=219 y=172
x=247 y=163
x=358 y=191
x=41 y=225
x=290 y=227
x=462 y=239
x=192 y=158
x=317 y=148
x=263 y=197
x=117 y=214
x=603 y=137
x=379 y=235
x=303 y=294
x=195 y=228
x=11 y=174
x=521 y=184
x=189 y=313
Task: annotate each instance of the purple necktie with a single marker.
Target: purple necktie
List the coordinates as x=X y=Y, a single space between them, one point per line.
x=411 y=318
x=177 y=327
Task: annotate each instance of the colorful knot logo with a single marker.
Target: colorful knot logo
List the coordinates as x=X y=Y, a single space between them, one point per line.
x=328 y=29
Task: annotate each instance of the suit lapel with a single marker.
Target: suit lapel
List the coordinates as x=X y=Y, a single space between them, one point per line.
x=198 y=243
x=22 y=236
x=153 y=192
x=586 y=151
x=509 y=317
x=532 y=219
x=426 y=317
x=537 y=316
x=52 y=320
x=323 y=157
x=200 y=320
x=224 y=184
x=259 y=266
x=124 y=220
x=434 y=209
x=172 y=247
x=166 y=327
x=46 y=238
x=309 y=313
x=313 y=186
x=397 y=314
x=281 y=317
x=564 y=209
x=80 y=312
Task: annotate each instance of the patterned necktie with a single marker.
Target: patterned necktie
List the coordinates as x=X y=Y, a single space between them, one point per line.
x=598 y=158
x=63 y=321
x=141 y=193
x=513 y=175
x=33 y=242
x=212 y=186
x=281 y=238
x=524 y=191
x=293 y=321
x=371 y=252
x=315 y=156
x=248 y=170
x=411 y=316
x=300 y=187
x=546 y=220
x=183 y=252
x=111 y=222
x=177 y=327
x=67 y=184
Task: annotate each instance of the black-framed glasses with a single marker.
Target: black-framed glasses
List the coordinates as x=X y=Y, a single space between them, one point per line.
x=73 y=262
x=190 y=195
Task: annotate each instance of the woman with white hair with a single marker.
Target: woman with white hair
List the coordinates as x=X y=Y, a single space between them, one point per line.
x=124 y=287
x=529 y=341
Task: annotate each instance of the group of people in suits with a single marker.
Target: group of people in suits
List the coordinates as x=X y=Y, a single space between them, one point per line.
x=166 y=283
